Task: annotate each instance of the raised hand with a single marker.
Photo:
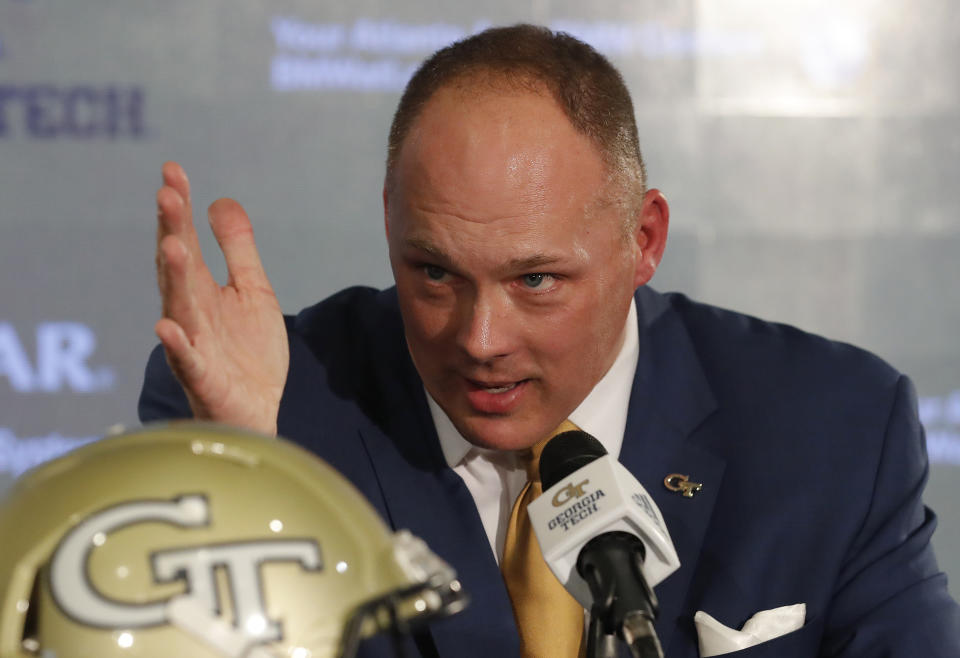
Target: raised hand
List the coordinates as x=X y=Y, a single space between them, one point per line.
x=227 y=345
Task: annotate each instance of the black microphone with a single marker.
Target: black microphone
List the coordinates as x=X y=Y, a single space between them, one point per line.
x=610 y=561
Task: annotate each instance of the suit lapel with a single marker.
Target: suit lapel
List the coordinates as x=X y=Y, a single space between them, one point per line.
x=669 y=402
x=422 y=494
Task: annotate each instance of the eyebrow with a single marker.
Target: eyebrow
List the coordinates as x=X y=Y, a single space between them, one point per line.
x=526 y=263
x=428 y=247
x=532 y=262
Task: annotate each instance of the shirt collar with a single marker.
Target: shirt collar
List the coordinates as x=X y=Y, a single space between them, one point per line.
x=602 y=414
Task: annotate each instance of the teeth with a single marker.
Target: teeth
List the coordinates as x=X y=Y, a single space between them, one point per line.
x=500 y=389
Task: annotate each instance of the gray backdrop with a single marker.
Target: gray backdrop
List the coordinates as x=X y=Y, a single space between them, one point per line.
x=809 y=150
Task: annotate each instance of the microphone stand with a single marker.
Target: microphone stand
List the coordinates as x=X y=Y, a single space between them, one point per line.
x=623 y=603
x=600 y=643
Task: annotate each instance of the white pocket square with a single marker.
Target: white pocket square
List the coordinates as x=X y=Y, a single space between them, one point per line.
x=717 y=639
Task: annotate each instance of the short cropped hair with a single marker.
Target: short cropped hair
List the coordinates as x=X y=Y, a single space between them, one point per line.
x=586 y=86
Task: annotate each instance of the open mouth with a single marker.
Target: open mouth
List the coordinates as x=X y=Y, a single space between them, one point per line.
x=495 y=387
x=500 y=389
x=495 y=397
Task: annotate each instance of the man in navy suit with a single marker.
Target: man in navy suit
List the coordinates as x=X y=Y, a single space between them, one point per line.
x=522 y=235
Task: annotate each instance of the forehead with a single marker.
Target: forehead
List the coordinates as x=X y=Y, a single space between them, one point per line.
x=495 y=150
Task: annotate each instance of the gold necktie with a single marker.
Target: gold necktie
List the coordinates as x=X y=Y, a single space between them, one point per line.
x=550 y=621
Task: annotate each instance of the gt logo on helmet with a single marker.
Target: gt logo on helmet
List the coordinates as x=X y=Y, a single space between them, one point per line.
x=241 y=561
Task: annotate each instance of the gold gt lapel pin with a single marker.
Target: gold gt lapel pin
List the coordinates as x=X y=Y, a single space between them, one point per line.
x=682 y=484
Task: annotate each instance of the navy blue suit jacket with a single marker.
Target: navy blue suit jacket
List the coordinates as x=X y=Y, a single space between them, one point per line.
x=810 y=452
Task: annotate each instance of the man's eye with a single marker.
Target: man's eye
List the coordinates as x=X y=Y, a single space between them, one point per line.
x=434 y=272
x=534 y=280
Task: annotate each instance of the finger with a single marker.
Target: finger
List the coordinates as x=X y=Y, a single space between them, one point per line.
x=174 y=217
x=165 y=208
x=185 y=361
x=179 y=289
x=173 y=222
x=175 y=209
x=234 y=234
x=174 y=176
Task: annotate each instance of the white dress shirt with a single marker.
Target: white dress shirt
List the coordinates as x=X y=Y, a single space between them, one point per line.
x=495 y=477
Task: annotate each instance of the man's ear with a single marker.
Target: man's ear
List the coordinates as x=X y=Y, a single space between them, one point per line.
x=650 y=235
x=386 y=212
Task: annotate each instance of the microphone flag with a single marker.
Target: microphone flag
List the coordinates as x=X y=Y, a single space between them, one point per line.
x=602 y=496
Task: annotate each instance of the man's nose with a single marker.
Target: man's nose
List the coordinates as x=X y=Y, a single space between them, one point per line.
x=486 y=326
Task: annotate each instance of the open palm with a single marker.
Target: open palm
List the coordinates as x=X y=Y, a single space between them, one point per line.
x=227 y=345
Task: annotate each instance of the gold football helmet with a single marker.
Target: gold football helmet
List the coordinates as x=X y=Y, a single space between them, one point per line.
x=195 y=540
